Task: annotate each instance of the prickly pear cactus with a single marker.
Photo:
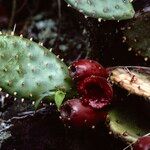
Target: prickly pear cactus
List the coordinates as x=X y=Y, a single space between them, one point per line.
x=30 y=71
x=137 y=35
x=126 y=122
x=135 y=80
x=104 y=9
x=129 y=119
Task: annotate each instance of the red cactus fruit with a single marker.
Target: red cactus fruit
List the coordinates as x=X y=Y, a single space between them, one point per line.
x=142 y=143
x=85 y=67
x=97 y=91
x=75 y=113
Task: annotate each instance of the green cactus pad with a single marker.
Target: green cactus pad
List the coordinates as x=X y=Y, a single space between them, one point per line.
x=126 y=122
x=135 y=80
x=137 y=35
x=104 y=9
x=30 y=71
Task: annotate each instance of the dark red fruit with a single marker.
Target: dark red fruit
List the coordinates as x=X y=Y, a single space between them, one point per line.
x=85 y=67
x=74 y=113
x=143 y=143
x=97 y=91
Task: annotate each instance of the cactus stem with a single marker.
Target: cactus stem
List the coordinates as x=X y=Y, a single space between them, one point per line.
x=101 y=9
x=125 y=77
x=15 y=47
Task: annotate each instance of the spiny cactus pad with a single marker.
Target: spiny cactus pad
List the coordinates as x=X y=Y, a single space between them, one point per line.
x=30 y=71
x=126 y=122
x=104 y=9
x=137 y=35
x=136 y=80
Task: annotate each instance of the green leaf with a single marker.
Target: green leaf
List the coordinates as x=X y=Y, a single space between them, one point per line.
x=37 y=103
x=59 y=97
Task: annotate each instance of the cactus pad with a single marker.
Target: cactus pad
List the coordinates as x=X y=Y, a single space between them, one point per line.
x=126 y=122
x=137 y=35
x=136 y=80
x=104 y=9
x=30 y=71
x=129 y=119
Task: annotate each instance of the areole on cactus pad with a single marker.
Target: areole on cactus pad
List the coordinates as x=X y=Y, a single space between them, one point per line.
x=104 y=9
x=30 y=71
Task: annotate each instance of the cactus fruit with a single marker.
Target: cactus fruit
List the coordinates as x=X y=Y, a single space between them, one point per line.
x=30 y=71
x=75 y=113
x=135 y=80
x=91 y=80
x=102 y=9
x=136 y=34
x=83 y=68
x=143 y=143
x=97 y=91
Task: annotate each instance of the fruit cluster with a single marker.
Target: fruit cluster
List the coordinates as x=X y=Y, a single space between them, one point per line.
x=95 y=94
